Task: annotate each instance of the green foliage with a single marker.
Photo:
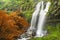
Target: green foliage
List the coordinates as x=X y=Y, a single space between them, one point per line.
x=27 y=7
x=53 y=33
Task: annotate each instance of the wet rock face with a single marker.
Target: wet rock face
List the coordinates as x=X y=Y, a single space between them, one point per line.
x=12 y=26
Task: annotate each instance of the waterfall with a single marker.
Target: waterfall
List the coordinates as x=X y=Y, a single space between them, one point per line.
x=41 y=12
x=42 y=16
x=37 y=24
x=34 y=19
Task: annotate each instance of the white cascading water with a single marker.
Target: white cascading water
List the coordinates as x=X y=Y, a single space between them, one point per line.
x=42 y=16
x=41 y=11
x=34 y=19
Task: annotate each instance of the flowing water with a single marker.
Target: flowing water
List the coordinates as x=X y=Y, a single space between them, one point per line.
x=34 y=19
x=38 y=22
x=42 y=16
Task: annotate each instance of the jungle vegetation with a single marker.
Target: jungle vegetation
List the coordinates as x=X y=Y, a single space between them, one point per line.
x=28 y=6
